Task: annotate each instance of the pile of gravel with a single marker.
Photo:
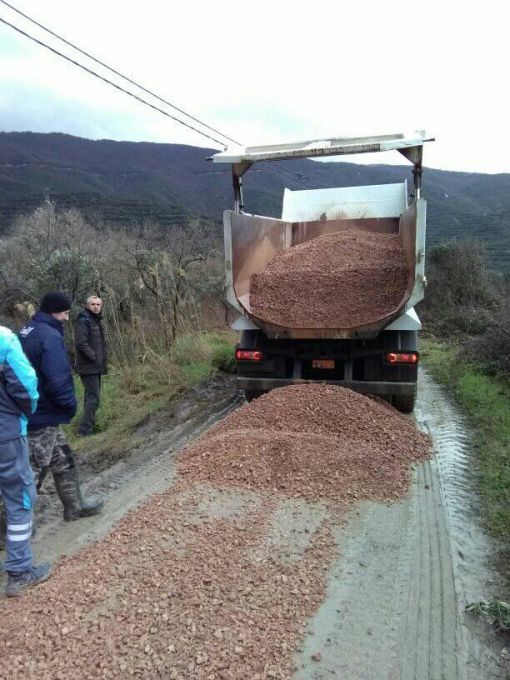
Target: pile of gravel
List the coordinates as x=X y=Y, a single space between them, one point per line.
x=319 y=442
x=342 y=280
x=178 y=590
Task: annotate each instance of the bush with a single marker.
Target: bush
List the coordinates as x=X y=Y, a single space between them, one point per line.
x=211 y=350
x=223 y=357
x=492 y=349
x=461 y=298
x=153 y=280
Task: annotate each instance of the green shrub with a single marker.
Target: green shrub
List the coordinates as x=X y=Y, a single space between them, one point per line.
x=213 y=349
x=461 y=297
x=496 y=612
x=223 y=357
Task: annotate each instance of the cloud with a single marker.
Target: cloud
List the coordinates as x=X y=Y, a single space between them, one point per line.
x=269 y=72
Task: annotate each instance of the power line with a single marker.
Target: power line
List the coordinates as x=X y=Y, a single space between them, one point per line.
x=117 y=73
x=287 y=172
x=109 y=82
x=282 y=171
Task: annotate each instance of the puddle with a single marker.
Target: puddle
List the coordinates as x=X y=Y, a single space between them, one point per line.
x=470 y=548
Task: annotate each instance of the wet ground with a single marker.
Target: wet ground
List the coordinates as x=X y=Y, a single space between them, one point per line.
x=396 y=596
x=403 y=572
x=147 y=470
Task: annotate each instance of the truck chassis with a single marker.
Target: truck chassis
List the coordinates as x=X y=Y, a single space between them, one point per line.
x=358 y=364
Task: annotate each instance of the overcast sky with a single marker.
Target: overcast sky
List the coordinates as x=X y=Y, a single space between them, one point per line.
x=270 y=71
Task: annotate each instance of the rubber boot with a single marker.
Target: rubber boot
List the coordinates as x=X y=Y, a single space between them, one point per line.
x=69 y=492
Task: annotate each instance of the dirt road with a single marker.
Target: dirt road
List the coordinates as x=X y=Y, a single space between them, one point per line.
x=396 y=596
x=390 y=605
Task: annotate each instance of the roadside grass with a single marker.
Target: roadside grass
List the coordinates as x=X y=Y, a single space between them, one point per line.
x=496 y=612
x=199 y=354
x=131 y=394
x=486 y=400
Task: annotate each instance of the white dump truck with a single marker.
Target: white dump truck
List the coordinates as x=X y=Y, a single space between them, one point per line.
x=379 y=357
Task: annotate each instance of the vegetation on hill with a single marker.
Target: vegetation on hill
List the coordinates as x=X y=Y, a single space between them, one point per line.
x=123 y=183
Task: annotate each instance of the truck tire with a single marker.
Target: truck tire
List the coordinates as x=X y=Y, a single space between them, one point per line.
x=404 y=402
x=252 y=394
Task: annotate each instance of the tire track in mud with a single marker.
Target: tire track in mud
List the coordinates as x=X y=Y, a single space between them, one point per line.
x=469 y=549
x=395 y=602
x=429 y=632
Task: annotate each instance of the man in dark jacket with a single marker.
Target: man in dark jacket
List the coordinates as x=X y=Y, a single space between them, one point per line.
x=90 y=359
x=43 y=342
x=18 y=399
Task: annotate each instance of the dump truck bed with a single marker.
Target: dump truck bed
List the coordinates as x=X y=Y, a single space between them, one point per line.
x=251 y=242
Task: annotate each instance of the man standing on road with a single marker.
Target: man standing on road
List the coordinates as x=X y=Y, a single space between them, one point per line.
x=43 y=342
x=91 y=358
x=18 y=399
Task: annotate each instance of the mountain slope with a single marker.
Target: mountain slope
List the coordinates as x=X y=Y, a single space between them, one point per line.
x=126 y=182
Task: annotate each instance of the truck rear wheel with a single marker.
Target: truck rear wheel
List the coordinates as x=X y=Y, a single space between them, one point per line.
x=253 y=394
x=404 y=403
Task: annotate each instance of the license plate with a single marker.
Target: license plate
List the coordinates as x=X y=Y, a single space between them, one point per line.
x=323 y=363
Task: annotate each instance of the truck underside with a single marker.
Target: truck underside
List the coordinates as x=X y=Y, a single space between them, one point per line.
x=386 y=366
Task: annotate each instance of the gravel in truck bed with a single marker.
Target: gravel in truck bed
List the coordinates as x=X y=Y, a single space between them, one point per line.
x=185 y=586
x=342 y=280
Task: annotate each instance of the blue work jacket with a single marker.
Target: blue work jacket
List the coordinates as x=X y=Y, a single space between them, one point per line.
x=43 y=343
x=18 y=387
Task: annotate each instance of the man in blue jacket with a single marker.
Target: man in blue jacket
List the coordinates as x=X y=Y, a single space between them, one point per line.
x=18 y=399
x=43 y=342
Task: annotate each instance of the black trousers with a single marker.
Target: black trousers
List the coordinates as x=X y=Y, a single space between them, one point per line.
x=92 y=387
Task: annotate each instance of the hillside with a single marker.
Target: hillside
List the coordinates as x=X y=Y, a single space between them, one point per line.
x=126 y=182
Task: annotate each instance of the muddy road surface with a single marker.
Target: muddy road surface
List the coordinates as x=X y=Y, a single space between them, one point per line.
x=148 y=469
x=396 y=595
x=375 y=592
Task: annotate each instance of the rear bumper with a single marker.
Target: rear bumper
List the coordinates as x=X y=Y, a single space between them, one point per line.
x=365 y=386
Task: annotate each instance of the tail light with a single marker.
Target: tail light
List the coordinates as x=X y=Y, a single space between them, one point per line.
x=249 y=355
x=402 y=357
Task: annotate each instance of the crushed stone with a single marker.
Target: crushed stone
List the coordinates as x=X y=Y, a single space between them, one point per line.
x=175 y=592
x=320 y=442
x=341 y=280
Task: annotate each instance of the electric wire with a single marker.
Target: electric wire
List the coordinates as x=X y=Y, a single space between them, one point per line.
x=117 y=73
x=287 y=172
x=282 y=171
x=109 y=82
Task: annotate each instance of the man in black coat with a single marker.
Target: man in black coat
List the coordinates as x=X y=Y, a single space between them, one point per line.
x=91 y=359
x=42 y=339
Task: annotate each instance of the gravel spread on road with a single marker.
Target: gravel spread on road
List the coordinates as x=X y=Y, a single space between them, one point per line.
x=178 y=591
x=320 y=442
x=342 y=280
